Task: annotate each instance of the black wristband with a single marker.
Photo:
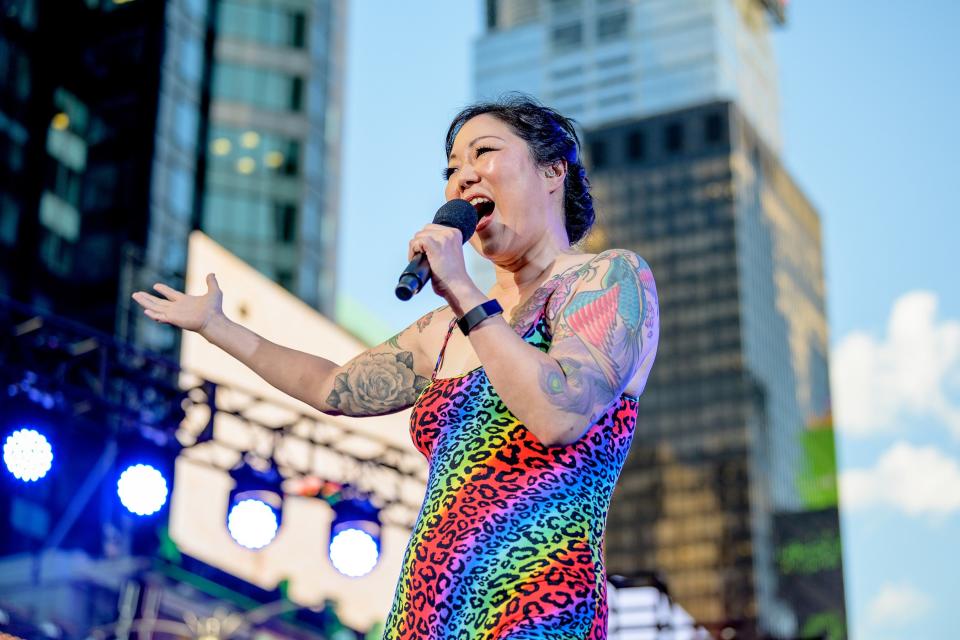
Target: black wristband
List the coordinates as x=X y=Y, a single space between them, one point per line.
x=477 y=315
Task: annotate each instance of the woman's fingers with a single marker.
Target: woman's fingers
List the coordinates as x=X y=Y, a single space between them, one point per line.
x=168 y=292
x=148 y=301
x=212 y=283
x=154 y=315
x=433 y=238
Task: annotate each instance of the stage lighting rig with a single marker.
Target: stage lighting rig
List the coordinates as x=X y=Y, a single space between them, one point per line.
x=354 y=535
x=255 y=510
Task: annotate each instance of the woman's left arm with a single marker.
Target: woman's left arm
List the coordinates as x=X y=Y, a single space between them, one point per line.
x=605 y=330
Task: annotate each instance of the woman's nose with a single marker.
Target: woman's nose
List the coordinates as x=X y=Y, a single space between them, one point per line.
x=466 y=177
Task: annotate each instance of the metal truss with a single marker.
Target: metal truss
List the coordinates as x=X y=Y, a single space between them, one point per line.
x=115 y=389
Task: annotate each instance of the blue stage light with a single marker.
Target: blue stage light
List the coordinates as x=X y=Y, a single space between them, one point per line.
x=252 y=523
x=256 y=502
x=355 y=537
x=27 y=454
x=142 y=489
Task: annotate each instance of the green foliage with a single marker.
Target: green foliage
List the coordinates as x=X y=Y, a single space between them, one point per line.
x=814 y=556
x=827 y=624
x=817 y=481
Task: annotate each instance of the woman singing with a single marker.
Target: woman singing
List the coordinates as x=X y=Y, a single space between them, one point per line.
x=524 y=398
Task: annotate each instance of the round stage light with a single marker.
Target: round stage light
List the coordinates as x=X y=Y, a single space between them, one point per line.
x=354 y=552
x=142 y=489
x=354 y=548
x=27 y=454
x=255 y=507
x=252 y=523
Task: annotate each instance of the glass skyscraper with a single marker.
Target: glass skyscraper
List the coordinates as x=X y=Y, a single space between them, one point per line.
x=730 y=488
x=600 y=61
x=272 y=148
x=126 y=125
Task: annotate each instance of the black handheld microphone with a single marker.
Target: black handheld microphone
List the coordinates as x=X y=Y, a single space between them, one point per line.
x=458 y=214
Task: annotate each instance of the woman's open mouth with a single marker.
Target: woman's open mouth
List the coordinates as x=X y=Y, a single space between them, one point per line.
x=484 y=207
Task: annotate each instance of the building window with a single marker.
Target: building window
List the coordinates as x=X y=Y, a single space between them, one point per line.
x=614 y=61
x=258 y=87
x=673 y=140
x=270 y=25
x=713 y=128
x=612 y=26
x=286 y=220
x=566 y=92
x=298 y=31
x=568 y=72
x=506 y=14
x=285 y=279
x=491 y=14
x=567 y=36
x=598 y=154
x=565 y=6
x=9 y=220
x=271 y=153
x=636 y=145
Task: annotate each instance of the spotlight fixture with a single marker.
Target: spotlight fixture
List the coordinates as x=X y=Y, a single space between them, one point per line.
x=142 y=489
x=255 y=509
x=27 y=454
x=144 y=470
x=355 y=536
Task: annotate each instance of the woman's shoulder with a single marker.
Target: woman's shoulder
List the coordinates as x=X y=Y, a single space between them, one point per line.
x=591 y=270
x=582 y=263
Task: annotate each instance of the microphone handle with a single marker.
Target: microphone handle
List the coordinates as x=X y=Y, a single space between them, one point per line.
x=414 y=277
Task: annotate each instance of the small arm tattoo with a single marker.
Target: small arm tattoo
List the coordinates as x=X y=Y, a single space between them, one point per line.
x=424 y=322
x=577 y=390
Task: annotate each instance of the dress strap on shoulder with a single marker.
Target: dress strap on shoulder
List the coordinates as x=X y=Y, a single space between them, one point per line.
x=443 y=348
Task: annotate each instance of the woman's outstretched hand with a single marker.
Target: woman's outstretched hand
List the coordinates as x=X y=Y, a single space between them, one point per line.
x=193 y=313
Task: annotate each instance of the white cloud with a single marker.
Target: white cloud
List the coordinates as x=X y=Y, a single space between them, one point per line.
x=897 y=604
x=916 y=480
x=911 y=371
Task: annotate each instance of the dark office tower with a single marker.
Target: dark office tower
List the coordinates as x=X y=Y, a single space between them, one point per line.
x=126 y=124
x=730 y=488
x=78 y=101
x=272 y=174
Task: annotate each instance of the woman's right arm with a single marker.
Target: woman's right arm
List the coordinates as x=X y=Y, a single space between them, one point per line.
x=384 y=379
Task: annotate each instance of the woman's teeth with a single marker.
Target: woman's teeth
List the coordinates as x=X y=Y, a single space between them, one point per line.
x=484 y=206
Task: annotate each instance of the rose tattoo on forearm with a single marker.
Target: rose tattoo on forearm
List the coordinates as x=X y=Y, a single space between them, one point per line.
x=376 y=384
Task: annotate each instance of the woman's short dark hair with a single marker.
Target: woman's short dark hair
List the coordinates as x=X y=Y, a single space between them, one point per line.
x=550 y=137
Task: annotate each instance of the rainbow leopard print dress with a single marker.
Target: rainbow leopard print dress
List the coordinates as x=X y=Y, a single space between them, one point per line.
x=509 y=542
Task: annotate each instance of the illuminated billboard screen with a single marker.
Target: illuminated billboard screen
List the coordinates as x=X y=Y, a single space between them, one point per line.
x=810 y=571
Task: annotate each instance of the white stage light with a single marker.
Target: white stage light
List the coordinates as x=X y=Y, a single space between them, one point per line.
x=354 y=552
x=142 y=489
x=27 y=454
x=252 y=523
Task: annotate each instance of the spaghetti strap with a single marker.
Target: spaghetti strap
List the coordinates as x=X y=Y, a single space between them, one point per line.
x=443 y=348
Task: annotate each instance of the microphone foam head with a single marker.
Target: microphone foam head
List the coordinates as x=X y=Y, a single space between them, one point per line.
x=458 y=214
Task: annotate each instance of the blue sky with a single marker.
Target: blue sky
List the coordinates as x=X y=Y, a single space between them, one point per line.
x=870 y=101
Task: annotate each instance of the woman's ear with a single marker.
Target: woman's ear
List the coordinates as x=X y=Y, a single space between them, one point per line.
x=556 y=173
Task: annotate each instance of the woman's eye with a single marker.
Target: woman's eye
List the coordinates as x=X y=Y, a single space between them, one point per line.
x=448 y=172
x=481 y=150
